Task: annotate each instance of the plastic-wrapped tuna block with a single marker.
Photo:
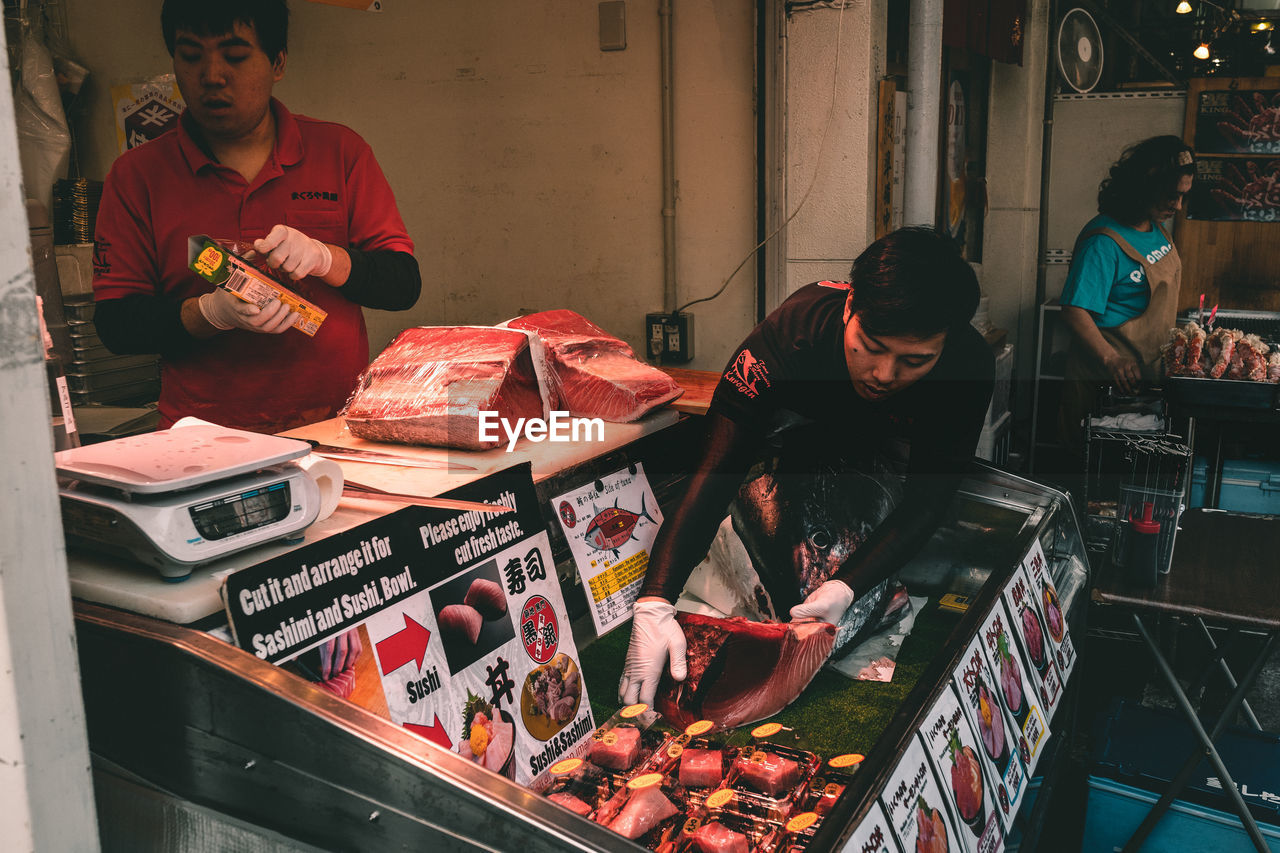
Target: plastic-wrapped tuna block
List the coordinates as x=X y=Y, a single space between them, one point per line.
x=579 y=786
x=597 y=375
x=770 y=780
x=431 y=384
x=716 y=831
x=647 y=804
x=619 y=748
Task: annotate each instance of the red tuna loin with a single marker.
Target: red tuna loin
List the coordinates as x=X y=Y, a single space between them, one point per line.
x=461 y=621
x=570 y=802
x=645 y=809
x=742 y=671
x=430 y=384
x=701 y=768
x=771 y=775
x=598 y=375
x=486 y=596
x=717 y=838
x=617 y=749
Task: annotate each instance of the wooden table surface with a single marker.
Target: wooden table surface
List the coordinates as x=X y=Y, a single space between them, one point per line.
x=1225 y=569
x=698 y=386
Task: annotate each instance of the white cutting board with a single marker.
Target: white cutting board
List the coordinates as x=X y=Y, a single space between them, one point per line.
x=140 y=589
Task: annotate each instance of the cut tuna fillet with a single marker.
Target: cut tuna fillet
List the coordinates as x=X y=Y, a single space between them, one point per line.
x=717 y=838
x=771 y=774
x=431 y=383
x=500 y=743
x=570 y=802
x=618 y=749
x=486 y=596
x=597 y=375
x=645 y=809
x=461 y=621
x=741 y=671
x=701 y=768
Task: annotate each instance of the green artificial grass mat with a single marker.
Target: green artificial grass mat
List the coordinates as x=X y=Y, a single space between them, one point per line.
x=834 y=715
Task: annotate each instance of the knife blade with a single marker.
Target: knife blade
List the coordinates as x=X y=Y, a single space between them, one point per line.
x=357 y=490
x=374 y=457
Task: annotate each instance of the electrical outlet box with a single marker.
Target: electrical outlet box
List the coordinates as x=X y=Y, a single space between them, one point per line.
x=669 y=338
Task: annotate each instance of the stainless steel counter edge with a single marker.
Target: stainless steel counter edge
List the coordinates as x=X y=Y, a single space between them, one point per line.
x=212 y=723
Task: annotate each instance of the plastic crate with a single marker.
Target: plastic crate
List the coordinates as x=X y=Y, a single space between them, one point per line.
x=1248 y=485
x=1137 y=750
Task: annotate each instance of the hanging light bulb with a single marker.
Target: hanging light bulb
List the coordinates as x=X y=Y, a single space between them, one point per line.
x=1201 y=52
x=1262 y=27
x=1184 y=8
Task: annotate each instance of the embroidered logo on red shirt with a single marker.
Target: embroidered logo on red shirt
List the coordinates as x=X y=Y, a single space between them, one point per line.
x=746 y=373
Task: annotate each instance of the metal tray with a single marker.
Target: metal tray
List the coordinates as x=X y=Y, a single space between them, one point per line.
x=113 y=378
x=1235 y=393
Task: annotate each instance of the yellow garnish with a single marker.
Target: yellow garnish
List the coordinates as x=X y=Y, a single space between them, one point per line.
x=479 y=739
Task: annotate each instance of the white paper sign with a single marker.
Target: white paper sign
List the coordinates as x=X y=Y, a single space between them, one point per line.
x=1027 y=624
x=610 y=525
x=872 y=835
x=965 y=778
x=916 y=807
x=1054 y=620
x=1018 y=697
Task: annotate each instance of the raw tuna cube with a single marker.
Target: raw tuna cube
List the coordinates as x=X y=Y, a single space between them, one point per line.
x=772 y=775
x=621 y=753
x=570 y=802
x=597 y=375
x=645 y=809
x=701 y=768
x=717 y=838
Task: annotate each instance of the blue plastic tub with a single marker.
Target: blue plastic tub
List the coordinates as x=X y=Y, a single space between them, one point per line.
x=1137 y=750
x=1248 y=485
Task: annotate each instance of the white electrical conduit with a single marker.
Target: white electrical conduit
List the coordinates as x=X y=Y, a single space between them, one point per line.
x=668 y=159
x=924 y=82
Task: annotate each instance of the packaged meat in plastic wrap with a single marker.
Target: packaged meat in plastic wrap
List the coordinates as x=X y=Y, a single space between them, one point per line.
x=770 y=781
x=579 y=786
x=646 y=809
x=595 y=374
x=432 y=384
x=829 y=782
x=722 y=832
x=624 y=743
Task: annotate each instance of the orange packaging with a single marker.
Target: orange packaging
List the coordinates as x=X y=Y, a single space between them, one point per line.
x=218 y=265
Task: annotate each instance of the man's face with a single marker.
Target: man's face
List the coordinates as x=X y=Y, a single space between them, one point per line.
x=1169 y=207
x=882 y=365
x=226 y=80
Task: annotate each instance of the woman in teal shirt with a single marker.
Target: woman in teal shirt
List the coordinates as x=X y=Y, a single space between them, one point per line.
x=1121 y=294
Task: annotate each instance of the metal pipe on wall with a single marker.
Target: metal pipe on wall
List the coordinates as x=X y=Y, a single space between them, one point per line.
x=924 y=82
x=665 y=13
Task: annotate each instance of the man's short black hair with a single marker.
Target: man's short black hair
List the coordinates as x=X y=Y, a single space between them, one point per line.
x=1145 y=176
x=269 y=18
x=914 y=282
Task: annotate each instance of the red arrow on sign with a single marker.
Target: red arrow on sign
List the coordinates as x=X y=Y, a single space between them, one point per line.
x=409 y=644
x=434 y=733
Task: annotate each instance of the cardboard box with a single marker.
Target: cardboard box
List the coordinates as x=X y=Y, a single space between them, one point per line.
x=220 y=266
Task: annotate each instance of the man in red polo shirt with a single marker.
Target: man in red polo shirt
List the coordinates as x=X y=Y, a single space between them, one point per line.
x=307 y=194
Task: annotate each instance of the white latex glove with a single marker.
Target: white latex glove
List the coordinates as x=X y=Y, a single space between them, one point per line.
x=827 y=603
x=224 y=310
x=297 y=254
x=655 y=638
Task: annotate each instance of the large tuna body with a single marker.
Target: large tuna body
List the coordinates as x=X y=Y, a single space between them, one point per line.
x=742 y=671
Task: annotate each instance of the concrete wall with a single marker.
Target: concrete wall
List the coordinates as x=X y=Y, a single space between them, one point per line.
x=525 y=160
x=831 y=146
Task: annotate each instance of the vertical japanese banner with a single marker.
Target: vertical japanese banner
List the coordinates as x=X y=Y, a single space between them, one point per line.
x=1017 y=696
x=965 y=778
x=145 y=110
x=998 y=732
x=1045 y=596
x=873 y=834
x=916 y=807
x=610 y=525
x=463 y=610
x=1027 y=625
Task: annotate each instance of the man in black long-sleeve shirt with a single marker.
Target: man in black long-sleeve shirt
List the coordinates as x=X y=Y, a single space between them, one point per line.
x=889 y=356
x=306 y=195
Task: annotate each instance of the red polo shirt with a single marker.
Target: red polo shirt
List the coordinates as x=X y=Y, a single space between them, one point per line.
x=322 y=179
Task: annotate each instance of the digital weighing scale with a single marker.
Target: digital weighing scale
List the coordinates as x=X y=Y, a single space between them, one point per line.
x=180 y=497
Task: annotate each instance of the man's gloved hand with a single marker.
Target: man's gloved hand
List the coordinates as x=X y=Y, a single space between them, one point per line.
x=655 y=637
x=224 y=310
x=288 y=249
x=827 y=603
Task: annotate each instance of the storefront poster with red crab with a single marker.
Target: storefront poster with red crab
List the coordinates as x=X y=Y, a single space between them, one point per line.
x=1235 y=189
x=1238 y=121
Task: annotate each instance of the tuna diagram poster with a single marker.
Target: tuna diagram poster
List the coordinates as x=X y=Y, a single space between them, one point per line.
x=1027 y=625
x=916 y=807
x=464 y=632
x=1020 y=701
x=872 y=835
x=610 y=525
x=965 y=778
x=1045 y=596
x=977 y=687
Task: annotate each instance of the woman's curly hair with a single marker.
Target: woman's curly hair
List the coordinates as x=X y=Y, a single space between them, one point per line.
x=1145 y=175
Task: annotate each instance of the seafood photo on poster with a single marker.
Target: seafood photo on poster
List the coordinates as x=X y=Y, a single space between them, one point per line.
x=1235 y=189
x=966 y=775
x=1238 y=122
x=916 y=807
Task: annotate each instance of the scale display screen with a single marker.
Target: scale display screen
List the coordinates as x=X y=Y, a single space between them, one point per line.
x=218 y=519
